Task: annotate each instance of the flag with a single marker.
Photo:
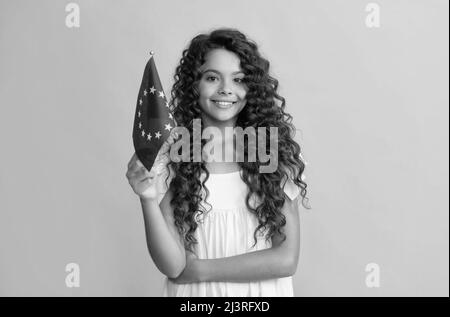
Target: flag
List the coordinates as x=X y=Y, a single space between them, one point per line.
x=153 y=121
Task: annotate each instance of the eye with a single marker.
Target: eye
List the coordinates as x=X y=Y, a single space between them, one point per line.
x=239 y=80
x=209 y=78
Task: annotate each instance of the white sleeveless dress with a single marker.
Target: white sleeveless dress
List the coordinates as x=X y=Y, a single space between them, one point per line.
x=227 y=230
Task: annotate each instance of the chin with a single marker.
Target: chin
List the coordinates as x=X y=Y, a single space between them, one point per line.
x=224 y=117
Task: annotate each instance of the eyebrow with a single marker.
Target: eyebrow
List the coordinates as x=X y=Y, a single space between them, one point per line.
x=217 y=72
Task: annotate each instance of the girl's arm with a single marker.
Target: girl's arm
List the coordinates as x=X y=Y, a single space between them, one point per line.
x=163 y=241
x=279 y=261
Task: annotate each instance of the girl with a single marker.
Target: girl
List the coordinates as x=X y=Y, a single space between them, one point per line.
x=224 y=228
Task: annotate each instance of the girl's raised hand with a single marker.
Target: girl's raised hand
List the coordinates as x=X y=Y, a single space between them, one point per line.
x=141 y=180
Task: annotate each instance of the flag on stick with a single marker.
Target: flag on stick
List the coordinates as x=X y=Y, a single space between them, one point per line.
x=153 y=121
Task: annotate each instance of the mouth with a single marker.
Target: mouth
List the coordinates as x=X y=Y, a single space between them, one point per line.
x=224 y=104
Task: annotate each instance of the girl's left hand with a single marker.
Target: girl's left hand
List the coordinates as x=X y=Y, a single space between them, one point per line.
x=191 y=273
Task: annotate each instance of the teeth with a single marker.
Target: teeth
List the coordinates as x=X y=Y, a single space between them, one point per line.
x=223 y=103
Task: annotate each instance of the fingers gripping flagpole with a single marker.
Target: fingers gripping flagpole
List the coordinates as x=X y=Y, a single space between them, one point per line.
x=153 y=121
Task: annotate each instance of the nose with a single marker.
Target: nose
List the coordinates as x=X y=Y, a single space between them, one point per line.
x=225 y=90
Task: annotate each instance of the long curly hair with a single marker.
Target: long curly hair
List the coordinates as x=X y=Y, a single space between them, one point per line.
x=261 y=110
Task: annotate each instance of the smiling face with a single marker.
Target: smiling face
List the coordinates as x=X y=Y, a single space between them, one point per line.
x=221 y=87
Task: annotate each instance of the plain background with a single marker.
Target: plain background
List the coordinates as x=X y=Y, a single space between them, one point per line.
x=370 y=104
